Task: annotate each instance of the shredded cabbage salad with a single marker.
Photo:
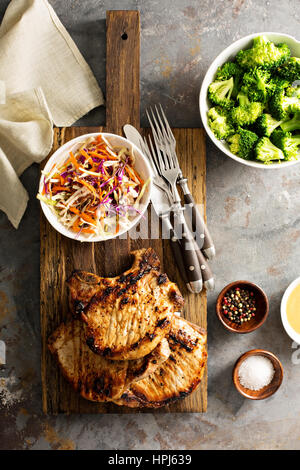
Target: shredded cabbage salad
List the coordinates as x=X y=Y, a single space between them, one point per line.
x=96 y=191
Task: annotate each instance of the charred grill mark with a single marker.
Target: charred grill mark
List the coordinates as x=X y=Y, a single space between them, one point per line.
x=90 y=341
x=162 y=279
x=98 y=385
x=121 y=292
x=172 y=358
x=124 y=301
x=185 y=343
x=107 y=292
x=163 y=323
x=140 y=371
x=106 y=352
x=140 y=274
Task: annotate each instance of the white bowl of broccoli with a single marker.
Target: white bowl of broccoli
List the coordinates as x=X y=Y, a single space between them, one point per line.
x=250 y=100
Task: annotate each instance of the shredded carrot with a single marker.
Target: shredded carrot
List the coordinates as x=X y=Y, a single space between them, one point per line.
x=104 y=157
x=90 y=187
x=132 y=173
x=73 y=160
x=60 y=188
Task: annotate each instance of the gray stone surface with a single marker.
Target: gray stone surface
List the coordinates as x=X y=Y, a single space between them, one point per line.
x=254 y=218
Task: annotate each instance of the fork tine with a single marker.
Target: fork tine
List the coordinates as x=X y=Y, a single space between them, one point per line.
x=171 y=138
x=168 y=156
x=158 y=129
x=154 y=132
x=159 y=134
x=154 y=157
x=158 y=158
x=162 y=156
x=167 y=125
x=162 y=124
x=147 y=151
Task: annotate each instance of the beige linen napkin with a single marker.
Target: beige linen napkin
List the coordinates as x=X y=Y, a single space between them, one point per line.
x=43 y=80
x=26 y=136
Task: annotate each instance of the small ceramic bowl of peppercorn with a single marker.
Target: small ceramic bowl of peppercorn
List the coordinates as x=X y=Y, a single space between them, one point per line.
x=242 y=307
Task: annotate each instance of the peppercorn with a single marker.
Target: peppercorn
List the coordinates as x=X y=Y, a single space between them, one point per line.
x=239 y=305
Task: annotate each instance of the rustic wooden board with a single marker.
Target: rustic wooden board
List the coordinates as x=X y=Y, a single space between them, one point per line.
x=60 y=256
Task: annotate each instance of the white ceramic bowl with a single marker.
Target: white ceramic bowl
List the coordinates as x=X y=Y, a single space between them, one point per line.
x=141 y=165
x=290 y=331
x=228 y=54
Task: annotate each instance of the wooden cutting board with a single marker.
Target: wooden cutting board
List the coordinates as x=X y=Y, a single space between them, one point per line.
x=60 y=255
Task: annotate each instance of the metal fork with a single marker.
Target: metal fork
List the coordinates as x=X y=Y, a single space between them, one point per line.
x=193 y=269
x=166 y=141
x=169 y=170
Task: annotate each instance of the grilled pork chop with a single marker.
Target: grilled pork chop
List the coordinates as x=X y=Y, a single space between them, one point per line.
x=177 y=377
x=95 y=377
x=126 y=317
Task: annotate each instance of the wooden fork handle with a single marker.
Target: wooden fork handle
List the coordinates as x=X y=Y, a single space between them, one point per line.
x=177 y=252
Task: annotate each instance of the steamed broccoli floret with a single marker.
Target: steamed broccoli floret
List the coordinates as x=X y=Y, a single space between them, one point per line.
x=281 y=105
x=246 y=114
x=279 y=82
x=288 y=143
x=290 y=70
x=220 y=122
x=266 y=124
x=243 y=99
x=242 y=143
x=263 y=53
x=219 y=92
x=266 y=152
x=256 y=84
x=228 y=70
x=292 y=124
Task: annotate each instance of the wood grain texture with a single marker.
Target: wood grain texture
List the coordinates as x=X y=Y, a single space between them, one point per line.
x=122 y=70
x=60 y=255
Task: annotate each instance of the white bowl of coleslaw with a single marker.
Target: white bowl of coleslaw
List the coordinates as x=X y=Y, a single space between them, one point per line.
x=95 y=187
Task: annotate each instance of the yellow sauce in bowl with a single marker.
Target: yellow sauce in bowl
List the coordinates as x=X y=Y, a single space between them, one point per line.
x=293 y=309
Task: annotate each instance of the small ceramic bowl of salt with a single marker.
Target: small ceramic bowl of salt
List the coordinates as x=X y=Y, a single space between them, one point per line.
x=257 y=374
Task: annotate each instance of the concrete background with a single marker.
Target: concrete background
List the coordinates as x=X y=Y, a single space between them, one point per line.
x=253 y=216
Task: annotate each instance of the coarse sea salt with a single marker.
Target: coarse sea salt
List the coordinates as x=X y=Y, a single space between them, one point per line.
x=256 y=372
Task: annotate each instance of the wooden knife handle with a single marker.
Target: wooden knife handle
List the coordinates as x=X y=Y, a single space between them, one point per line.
x=199 y=227
x=189 y=254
